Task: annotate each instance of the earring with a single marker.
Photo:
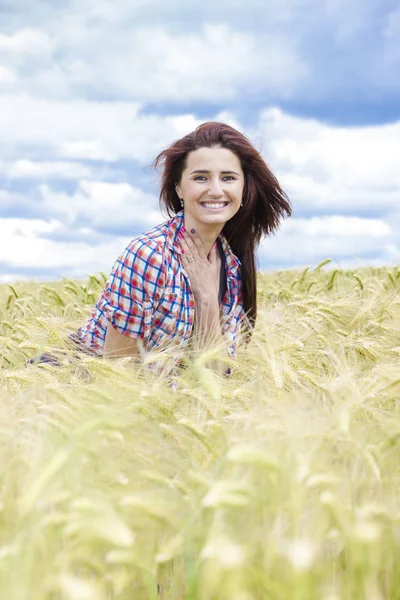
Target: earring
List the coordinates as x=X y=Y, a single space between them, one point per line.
x=181 y=199
x=241 y=204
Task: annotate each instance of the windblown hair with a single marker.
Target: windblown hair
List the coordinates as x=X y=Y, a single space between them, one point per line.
x=264 y=202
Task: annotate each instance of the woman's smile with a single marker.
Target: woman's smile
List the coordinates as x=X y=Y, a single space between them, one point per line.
x=214 y=206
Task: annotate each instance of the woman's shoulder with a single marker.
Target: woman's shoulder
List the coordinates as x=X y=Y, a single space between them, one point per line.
x=153 y=242
x=152 y=239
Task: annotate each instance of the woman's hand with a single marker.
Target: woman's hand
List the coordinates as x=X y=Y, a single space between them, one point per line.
x=202 y=270
x=203 y=273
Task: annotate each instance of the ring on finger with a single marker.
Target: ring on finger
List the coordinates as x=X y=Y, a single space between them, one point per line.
x=190 y=258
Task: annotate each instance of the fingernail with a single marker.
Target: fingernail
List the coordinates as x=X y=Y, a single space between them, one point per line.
x=182 y=250
x=183 y=229
x=192 y=231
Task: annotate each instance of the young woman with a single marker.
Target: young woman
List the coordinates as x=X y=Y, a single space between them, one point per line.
x=192 y=278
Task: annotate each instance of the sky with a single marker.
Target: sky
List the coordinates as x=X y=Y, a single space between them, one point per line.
x=92 y=90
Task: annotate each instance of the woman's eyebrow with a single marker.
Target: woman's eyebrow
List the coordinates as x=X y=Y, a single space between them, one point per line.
x=205 y=171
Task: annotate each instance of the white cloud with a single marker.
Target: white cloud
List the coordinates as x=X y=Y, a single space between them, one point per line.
x=107 y=131
x=337 y=226
x=333 y=168
x=216 y=63
x=59 y=125
x=22 y=247
x=44 y=170
x=27 y=41
x=203 y=51
x=7 y=77
x=348 y=239
x=101 y=205
x=25 y=55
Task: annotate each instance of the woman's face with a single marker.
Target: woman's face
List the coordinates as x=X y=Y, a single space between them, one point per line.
x=211 y=186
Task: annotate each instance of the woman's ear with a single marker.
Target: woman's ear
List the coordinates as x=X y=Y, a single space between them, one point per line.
x=178 y=191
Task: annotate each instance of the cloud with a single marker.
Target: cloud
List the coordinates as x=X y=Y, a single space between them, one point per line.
x=7 y=77
x=23 y=250
x=214 y=64
x=44 y=170
x=32 y=42
x=104 y=131
x=114 y=208
x=302 y=242
x=333 y=169
x=19 y=205
x=172 y=53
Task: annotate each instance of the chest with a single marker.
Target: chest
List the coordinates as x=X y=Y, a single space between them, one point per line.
x=174 y=311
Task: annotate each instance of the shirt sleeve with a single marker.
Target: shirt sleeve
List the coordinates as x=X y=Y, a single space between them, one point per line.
x=132 y=287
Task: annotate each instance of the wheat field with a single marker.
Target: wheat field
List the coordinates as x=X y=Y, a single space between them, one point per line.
x=281 y=482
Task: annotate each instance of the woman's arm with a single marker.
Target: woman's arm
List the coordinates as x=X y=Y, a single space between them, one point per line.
x=128 y=298
x=207 y=332
x=207 y=324
x=204 y=280
x=117 y=345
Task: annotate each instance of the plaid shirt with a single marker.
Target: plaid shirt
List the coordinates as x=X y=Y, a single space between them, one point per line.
x=148 y=294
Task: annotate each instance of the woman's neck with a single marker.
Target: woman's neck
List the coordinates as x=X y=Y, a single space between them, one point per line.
x=208 y=234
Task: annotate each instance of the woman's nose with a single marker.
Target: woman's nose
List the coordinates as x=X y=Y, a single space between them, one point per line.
x=215 y=188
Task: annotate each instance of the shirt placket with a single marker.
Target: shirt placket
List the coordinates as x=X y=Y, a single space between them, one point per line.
x=188 y=297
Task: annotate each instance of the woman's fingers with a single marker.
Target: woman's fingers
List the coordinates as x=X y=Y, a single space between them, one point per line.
x=185 y=248
x=202 y=270
x=187 y=254
x=194 y=244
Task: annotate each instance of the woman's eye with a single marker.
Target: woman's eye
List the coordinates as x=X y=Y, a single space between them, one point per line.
x=201 y=177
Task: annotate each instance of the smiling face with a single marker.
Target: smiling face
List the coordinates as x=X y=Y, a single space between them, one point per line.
x=212 y=187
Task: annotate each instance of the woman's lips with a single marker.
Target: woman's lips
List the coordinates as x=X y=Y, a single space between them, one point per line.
x=214 y=206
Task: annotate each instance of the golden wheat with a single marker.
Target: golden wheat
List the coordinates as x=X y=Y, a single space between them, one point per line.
x=279 y=482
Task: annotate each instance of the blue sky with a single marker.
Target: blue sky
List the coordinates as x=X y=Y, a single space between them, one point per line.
x=92 y=90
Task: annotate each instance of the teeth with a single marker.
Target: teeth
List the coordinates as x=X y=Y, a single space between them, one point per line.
x=213 y=204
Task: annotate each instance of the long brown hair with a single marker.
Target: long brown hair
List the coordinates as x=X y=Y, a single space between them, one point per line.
x=264 y=202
